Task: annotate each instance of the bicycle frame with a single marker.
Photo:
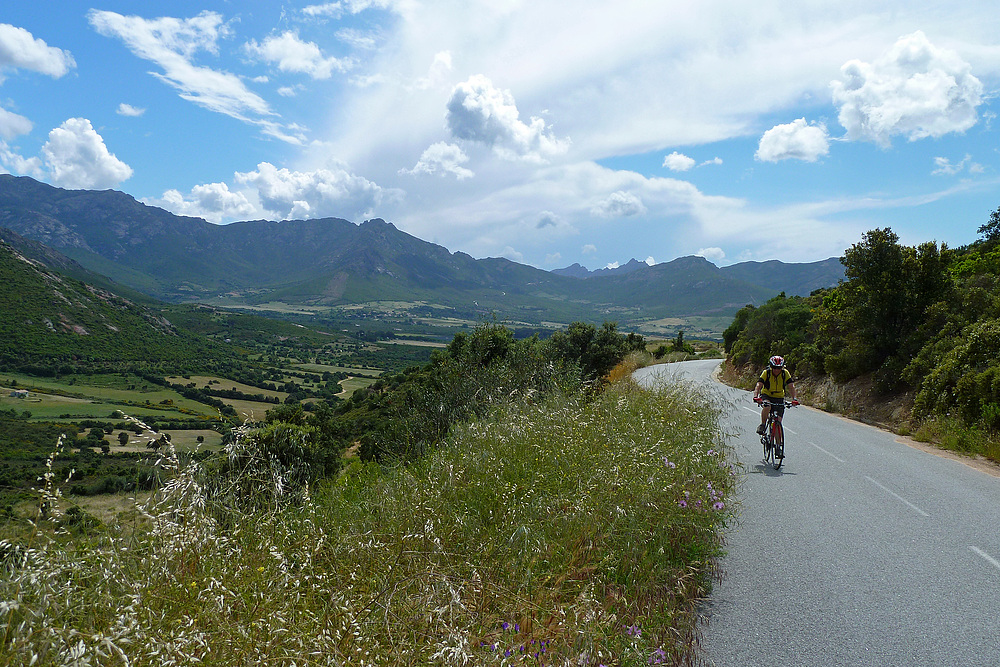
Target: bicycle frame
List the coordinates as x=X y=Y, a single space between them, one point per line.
x=774 y=435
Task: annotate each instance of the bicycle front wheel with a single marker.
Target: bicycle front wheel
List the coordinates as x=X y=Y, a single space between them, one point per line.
x=778 y=436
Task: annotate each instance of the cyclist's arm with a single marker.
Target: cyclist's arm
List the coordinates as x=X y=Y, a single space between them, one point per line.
x=791 y=391
x=756 y=390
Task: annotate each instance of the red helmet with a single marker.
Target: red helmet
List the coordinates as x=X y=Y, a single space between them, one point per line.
x=776 y=362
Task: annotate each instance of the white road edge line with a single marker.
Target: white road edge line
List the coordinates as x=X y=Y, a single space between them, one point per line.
x=832 y=456
x=985 y=556
x=898 y=497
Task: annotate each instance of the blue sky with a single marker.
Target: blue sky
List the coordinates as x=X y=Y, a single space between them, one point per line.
x=546 y=132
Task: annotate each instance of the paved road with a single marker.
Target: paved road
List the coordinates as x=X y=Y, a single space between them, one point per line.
x=861 y=550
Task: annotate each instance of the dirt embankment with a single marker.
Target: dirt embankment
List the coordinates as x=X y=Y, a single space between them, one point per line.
x=857 y=399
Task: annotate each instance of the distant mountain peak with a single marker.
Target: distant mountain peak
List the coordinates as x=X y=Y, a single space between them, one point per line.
x=575 y=270
x=578 y=271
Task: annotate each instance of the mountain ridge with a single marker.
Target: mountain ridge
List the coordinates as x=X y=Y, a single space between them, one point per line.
x=333 y=262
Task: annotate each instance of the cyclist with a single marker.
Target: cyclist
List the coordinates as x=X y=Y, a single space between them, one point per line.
x=772 y=384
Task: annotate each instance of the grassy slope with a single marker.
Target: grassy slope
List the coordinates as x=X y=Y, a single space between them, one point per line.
x=549 y=534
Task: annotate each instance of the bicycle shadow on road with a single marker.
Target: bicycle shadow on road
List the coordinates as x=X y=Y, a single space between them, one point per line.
x=768 y=469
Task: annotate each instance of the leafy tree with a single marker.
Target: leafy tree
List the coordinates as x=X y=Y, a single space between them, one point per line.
x=779 y=326
x=402 y=416
x=595 y=351
x=289 y=413
x=739 y=323
x=991 y=230
x=885 y=299
x=874 y=293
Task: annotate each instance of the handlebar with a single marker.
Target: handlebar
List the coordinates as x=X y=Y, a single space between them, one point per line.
x=788 y=404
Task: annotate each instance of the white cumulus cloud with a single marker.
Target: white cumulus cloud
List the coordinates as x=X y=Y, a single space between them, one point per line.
x=76 y=157
x=678 y=162
x=314 y=194
x=19 y=48
x=442 y=158
x=478 y=111
x=129 y=110
x=796 y=140
x=511 y=254
x=291 y=54
x=13 y=162
x=714 y=255
x=13 y=125
x=914 y=89
x=214 y=202
x=619 y=205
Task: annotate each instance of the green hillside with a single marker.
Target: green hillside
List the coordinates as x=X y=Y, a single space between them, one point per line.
x=52 y=319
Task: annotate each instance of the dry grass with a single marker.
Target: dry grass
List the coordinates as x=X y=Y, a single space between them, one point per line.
x=566 y=533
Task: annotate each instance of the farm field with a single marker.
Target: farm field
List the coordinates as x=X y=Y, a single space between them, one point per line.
x=352 y=384
x=201 y=381
x=245 y=409
x=249 y=410
x=693 y=326
x=183 y=440
x=92 y=397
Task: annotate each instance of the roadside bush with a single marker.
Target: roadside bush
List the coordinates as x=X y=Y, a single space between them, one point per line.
x=403 y=417
x=967 y=377
x=265 y=468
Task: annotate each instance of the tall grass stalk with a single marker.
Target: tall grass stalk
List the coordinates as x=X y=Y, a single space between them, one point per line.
x=565 y=533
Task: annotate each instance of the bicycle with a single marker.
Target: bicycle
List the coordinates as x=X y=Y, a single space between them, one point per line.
x=774 y=434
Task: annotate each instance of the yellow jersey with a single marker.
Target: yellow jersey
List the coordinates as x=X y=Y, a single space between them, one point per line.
x=774 y=385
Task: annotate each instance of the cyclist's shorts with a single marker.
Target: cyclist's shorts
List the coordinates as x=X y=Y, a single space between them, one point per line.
x=777 y=405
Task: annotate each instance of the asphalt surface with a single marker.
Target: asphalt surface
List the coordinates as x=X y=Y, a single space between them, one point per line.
x=860 y=550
